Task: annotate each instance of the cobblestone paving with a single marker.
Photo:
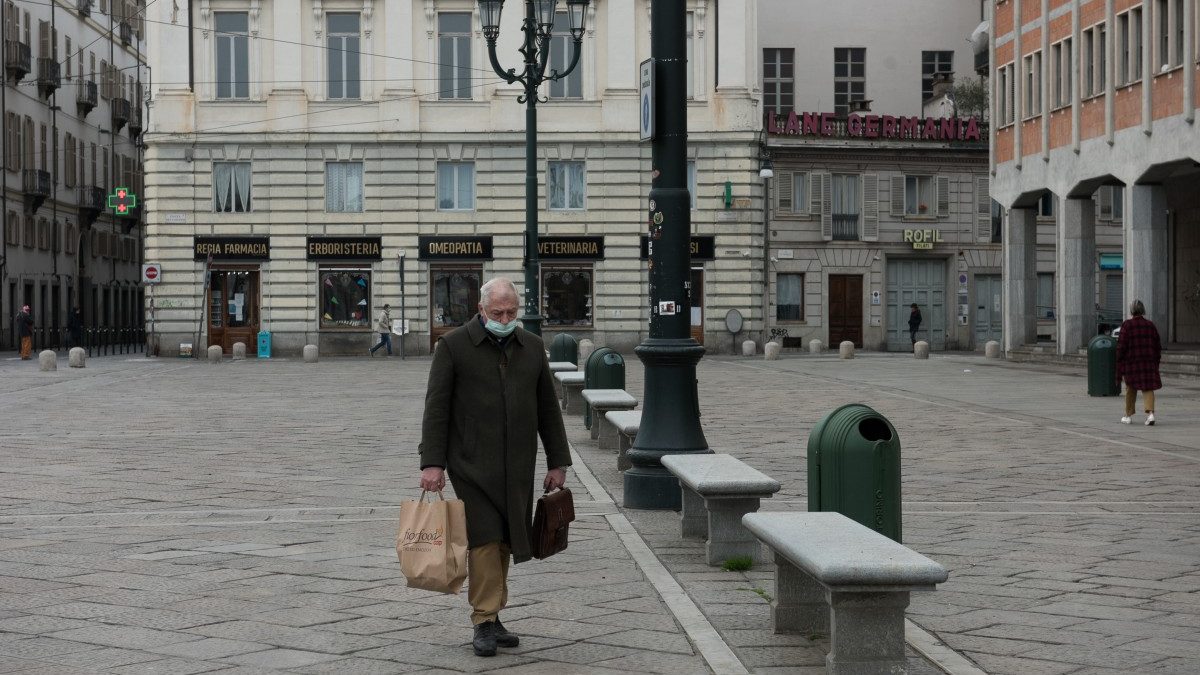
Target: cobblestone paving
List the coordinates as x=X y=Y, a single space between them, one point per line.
x=1073 y=541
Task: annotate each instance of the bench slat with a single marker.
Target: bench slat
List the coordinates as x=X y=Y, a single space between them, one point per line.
x=719 y=474
x=626 y=421
x=608 y=398
x=838 y=551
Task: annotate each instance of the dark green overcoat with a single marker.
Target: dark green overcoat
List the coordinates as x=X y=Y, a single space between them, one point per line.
x=484 y=411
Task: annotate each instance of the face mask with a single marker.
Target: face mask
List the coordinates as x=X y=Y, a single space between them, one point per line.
x=500 y=329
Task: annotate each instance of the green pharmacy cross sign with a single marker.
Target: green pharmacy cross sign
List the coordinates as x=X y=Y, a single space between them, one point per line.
x=121 y=201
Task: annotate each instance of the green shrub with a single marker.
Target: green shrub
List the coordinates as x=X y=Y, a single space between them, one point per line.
x=739 y=563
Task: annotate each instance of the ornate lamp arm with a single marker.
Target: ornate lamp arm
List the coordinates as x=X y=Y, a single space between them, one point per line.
x=575 y=52
x=509 y=75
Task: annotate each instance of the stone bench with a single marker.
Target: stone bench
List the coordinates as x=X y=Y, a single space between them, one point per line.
x=620 y=427
x=834 y=576
x=563 y=367
x=717 y=491
x=603 y=400
x=570 y=385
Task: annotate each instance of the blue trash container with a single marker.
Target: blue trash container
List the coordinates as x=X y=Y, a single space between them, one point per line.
x=264 y=344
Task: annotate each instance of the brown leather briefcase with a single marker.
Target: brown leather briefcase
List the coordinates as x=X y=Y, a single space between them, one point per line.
x=553 y=513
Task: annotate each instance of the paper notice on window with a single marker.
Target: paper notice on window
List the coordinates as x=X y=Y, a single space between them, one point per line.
x=696 y=316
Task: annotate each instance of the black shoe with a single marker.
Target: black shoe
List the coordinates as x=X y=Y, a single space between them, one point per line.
x=505 y=638
x=485 y=639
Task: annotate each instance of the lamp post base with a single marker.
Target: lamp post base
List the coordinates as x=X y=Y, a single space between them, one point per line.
x=670 y=422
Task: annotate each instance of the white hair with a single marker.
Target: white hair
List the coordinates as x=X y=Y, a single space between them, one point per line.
x=494 y=285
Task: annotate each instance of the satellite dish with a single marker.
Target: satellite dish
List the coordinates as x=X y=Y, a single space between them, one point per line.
x=734 y=321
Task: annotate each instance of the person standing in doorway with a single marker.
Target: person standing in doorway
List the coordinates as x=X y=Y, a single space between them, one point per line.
x=384 y=325
x=24 y=320
x=1139 y=351
x=490 y=397
x=75 y=327
x=914 y=322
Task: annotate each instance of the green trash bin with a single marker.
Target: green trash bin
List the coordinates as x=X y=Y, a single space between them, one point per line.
x=854 y=468
x=605 y=369
x=1102 y=367
x=564 y=348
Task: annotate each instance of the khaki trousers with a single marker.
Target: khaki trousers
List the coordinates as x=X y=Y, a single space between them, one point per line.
x=487 y=580
x=1131 y=400
x=26 y=348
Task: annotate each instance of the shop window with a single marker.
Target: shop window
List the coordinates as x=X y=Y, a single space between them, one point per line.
x=1045 y=296
x=345 y=298
x=918 y=196
x=343 y=187
x=231 y=187
x=456 y=186
x=567 y=295
x=455 y=296
x=566 y=185
x=789 y=297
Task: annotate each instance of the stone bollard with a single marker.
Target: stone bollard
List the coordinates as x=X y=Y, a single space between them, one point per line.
x=239 y=351
x=771 y=350
x=992 y=350
x=749 y=348
x=815 y=346
x=214 y=354
x=586 y=347
x=921 y=349
x=846 y=350
x=310 y=353
x=77 y=357
x=48 y=360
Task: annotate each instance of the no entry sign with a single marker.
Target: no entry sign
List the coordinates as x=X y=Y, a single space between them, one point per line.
x=151 y=273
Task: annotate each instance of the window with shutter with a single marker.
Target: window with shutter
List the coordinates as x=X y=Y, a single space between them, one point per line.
x=897 y=196
x=870 y=208
x=826 y=206
x=1104 y=201
x=943 y=196
x=816 y=193
x=983 y=210
x=783 y=192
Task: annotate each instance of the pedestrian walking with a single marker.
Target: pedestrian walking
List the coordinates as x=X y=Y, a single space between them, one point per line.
x=1139 y=351
x=914 y=322
x=384 y=325
x=75 y=327
x=490 y=396
x=24 y=321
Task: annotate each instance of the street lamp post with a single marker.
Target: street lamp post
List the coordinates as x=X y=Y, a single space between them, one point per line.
x=537 y=27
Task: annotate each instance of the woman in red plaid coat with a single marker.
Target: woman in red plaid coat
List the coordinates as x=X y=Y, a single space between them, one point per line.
x=1138 y=353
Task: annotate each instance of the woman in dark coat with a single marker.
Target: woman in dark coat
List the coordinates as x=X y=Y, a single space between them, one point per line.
x=914 y=322
x=1139 y=350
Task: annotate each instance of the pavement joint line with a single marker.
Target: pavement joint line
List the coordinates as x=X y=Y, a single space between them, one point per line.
x=897 y=394
x=938 y=653
x=212 y=512
x=225 y=523
x=712 y=647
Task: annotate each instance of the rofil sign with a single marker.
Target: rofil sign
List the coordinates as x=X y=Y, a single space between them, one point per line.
x=875 y=127
x=923 y=239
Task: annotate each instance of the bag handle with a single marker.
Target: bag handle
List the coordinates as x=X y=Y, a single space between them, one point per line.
x=439 y=494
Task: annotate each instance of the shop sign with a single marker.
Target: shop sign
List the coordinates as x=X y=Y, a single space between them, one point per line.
x=455 y=248
x=571 y=248
x=829 y=125
x=703 y=247
x=923 y=239
x=1112 y=261
x=231 y=248
x=345 y=248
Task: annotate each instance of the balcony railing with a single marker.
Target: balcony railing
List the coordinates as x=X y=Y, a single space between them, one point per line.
x=84 y=7
x=91 y=198
x=135 y=121
x=126 y=31
x=36 y=184
x=49 y=75
x=845 y=227
x=17 y=59
x=85 y=97
x=120 y=113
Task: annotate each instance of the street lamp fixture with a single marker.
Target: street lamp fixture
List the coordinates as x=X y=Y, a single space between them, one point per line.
x=538 y=26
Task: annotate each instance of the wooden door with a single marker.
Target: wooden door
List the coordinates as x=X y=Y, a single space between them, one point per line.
x=233 y=308
x=453 y=298
x=696 y=300
x=845 y=309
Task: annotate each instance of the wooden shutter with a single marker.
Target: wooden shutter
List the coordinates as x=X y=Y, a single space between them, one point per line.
x=983 y=210
x=897 y=196
x=943 y=196
x=43 y=39
x=815 y=193
x=870 y=207
x=827 y=206
x=1105 y=201
x=784 y=190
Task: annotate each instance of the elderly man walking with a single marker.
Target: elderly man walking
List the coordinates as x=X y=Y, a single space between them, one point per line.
x=490 y=396
x=24 y=321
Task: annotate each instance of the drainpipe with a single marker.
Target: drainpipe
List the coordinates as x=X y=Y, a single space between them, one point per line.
x=1189 y=62
x=1076 y=95
x=1110 y=80
x=1017 y=89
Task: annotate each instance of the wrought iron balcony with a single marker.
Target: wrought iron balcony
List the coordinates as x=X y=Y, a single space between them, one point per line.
x=845 y=227
x=135 y=121
x=48 y=75
x=126 y=31
x=17 y=59
x=91 y=204
x=85 y=97
x=120 y=113
x=84 y=7
x=36 y=184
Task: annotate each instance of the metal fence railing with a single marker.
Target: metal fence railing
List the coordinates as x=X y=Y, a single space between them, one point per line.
x=97 y=340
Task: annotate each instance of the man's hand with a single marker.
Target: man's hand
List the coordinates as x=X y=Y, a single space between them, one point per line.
x=433 y=479
x=555 y=478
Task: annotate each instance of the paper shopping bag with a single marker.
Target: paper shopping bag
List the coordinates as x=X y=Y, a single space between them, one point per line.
x=432 y=543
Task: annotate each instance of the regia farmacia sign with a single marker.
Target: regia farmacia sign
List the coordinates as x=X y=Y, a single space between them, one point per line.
x=875 y=127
